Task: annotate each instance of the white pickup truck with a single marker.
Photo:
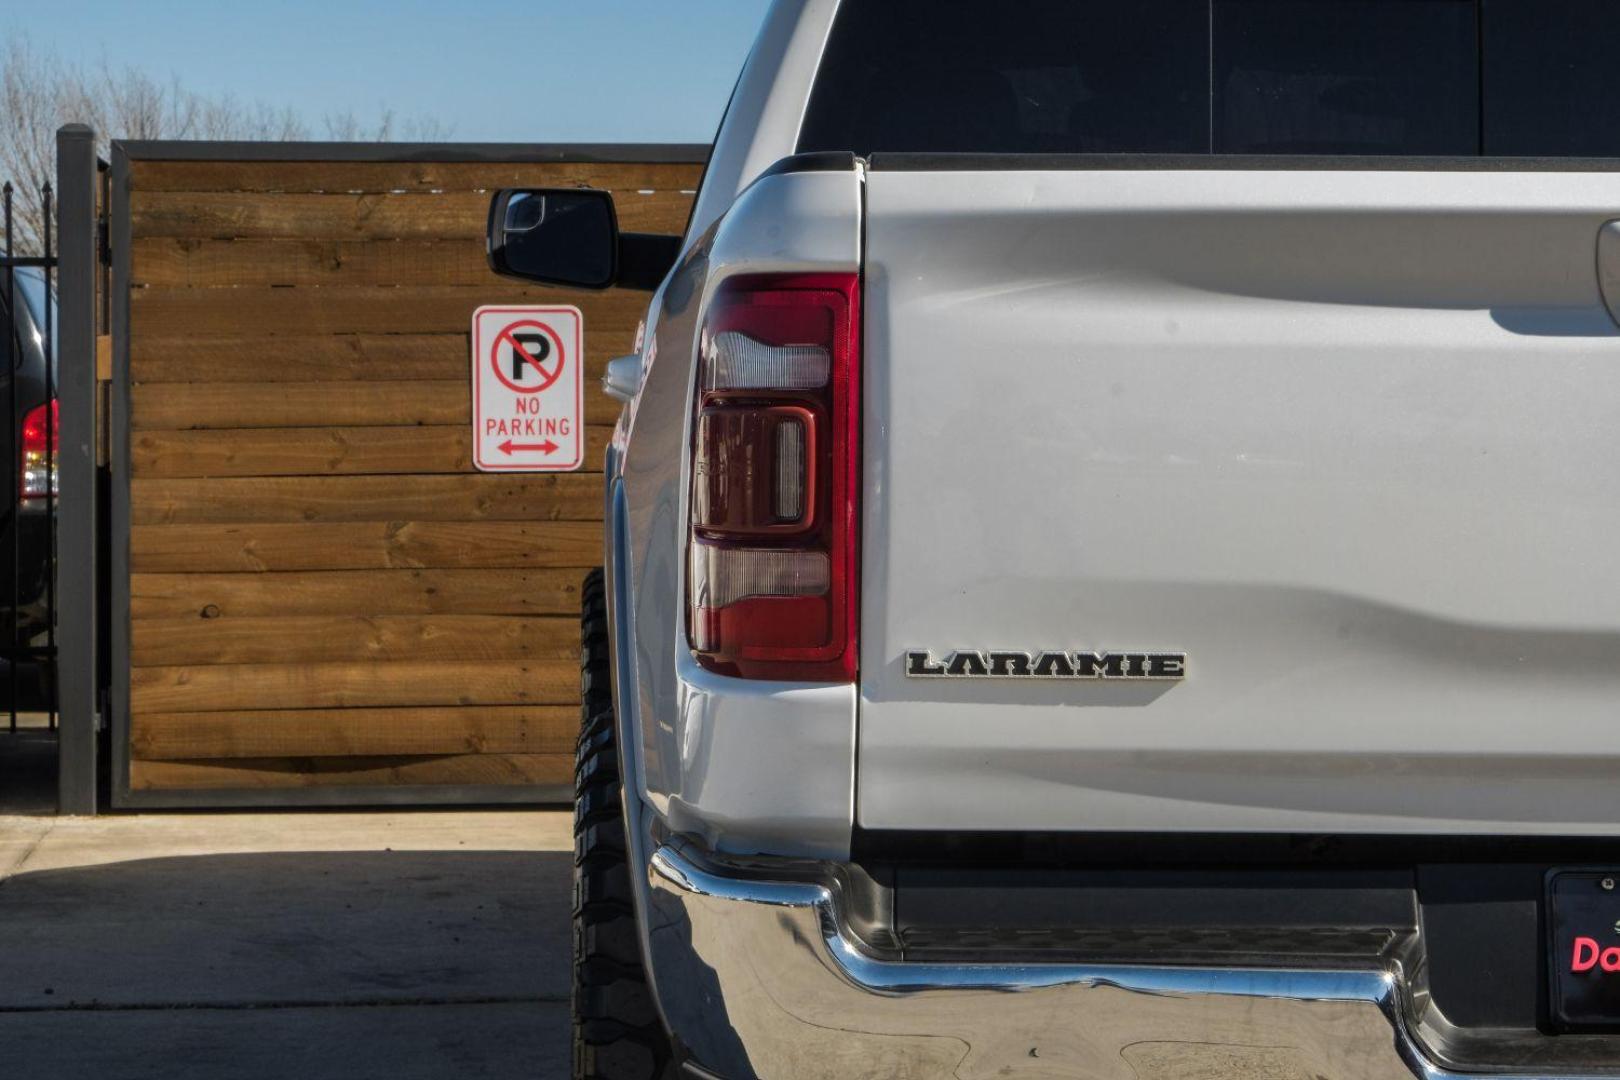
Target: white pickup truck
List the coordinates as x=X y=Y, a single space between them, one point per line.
x=1111 y=561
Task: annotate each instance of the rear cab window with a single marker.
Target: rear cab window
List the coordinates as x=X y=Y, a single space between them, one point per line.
x=1553 y=80
x=1450 y=78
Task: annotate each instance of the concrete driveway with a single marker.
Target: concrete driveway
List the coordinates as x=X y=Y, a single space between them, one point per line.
x=310 y=945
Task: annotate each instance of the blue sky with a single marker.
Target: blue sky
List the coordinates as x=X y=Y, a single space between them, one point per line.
x=544 y=70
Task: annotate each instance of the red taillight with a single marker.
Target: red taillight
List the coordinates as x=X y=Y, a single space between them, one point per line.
x=775 y=458
x=41 y=433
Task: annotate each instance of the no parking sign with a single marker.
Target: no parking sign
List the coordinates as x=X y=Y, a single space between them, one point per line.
x=528 y=389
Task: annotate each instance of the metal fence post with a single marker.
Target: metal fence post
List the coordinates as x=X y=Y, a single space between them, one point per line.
x=76 y=571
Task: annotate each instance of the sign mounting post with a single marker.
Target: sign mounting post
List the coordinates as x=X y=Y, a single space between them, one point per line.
x=528 y=388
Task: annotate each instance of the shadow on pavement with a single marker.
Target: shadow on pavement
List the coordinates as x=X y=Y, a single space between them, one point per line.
x=397 y=964
x=27 y=771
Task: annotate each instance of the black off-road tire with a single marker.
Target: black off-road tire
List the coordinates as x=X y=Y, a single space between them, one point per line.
x=617 y=1032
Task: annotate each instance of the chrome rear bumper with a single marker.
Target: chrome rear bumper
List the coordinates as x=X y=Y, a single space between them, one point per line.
x=758 y=978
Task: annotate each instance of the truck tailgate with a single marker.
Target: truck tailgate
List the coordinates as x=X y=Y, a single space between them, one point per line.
x=1345 y=437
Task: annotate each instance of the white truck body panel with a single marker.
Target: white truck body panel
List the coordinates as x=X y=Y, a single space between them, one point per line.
x=767 y=105
x=1348 y=439
x=749 y=766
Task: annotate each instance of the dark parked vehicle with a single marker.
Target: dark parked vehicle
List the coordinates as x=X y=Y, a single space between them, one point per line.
x=27 y=539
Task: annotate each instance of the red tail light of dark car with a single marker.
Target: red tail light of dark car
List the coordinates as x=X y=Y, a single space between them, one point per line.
x=41 y=435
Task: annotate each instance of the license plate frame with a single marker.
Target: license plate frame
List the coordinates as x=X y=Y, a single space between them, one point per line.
x=1583 y=948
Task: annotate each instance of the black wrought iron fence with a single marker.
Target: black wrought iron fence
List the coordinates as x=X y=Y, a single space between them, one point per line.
x=28 y=624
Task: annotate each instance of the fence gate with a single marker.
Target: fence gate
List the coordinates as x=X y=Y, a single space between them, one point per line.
x=49 y=579
x=315 y=599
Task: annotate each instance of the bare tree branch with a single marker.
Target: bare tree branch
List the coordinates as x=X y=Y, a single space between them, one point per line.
x=347 y=127
x=39 y=92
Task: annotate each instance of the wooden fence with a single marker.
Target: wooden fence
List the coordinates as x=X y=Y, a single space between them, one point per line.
x=320 y=600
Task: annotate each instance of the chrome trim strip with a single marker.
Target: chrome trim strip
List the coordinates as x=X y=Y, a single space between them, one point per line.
x=758 y=978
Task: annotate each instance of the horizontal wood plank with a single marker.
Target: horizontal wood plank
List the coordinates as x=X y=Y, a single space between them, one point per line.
x=210 y=264
x=218 y=597
x=350 y=451
x=321 y=638
x=166 y=261
x=235 y=405
x=154 y=358
x=334 y=357
x=185 y=406
x=476 y=497
x=408 y=176
x=364 y=546
x=217 y=687
x=255 y=311
x=527 y=729
x=282 y=773
x=446 y=215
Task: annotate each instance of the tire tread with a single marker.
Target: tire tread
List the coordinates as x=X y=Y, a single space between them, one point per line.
x=617 y=1031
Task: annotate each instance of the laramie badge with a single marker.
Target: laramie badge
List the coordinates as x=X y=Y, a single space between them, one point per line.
x=1012 y=664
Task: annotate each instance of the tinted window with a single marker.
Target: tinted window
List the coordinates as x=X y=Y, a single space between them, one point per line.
x=1552 y=77
x=31 y=288
x=1435 y=77
x=29 y=294
x=8 y=333
x=1045 y=76
x=1346 y=77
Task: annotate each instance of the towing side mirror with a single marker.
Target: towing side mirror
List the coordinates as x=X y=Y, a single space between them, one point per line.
x=560 y=236
x=570 y=236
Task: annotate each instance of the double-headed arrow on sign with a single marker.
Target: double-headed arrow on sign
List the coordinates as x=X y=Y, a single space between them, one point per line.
x=509 y=447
